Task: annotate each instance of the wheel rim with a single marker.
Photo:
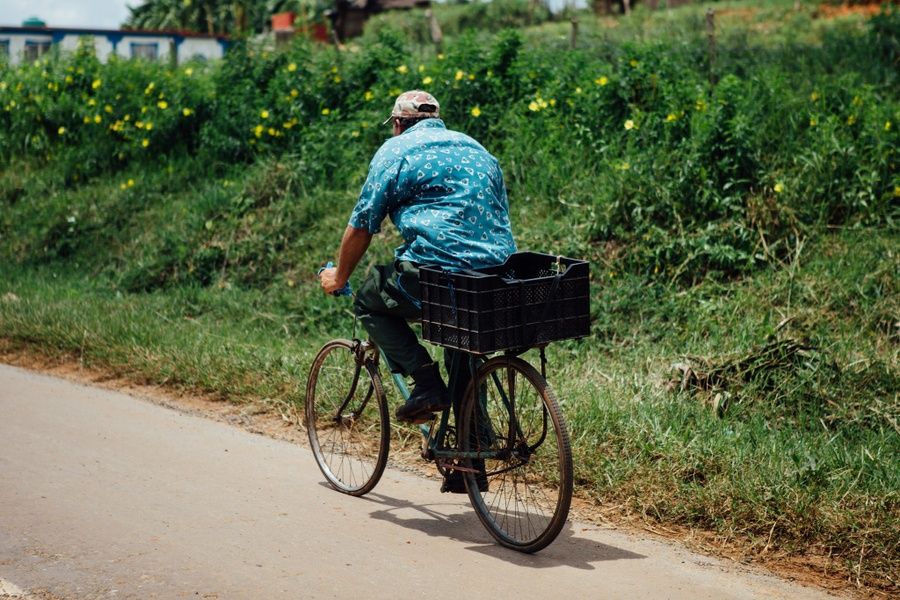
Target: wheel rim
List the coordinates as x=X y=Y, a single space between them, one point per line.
x=529 y=483
x=347 y=420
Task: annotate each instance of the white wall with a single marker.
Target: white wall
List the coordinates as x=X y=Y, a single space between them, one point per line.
x=17 y=44
x=123 y=48
x=102 y=45
x=207 y=48
x=189 y=48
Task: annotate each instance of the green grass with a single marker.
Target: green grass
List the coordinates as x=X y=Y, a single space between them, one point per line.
x=797 y=467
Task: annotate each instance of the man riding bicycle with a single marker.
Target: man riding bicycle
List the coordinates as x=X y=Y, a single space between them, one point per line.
x=445 y=194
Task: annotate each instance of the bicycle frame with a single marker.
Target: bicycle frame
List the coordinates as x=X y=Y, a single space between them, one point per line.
x=434 y=447
x=434 y=438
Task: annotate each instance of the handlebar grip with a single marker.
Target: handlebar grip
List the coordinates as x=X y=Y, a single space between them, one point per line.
x=347 y=290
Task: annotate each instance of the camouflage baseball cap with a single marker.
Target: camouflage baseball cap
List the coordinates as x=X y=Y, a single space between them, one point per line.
x=415 y=103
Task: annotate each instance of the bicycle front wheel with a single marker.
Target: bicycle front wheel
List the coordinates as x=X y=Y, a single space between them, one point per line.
x=513 y=432
x=347 y=419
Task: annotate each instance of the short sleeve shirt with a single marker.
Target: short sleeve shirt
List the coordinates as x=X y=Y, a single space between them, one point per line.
x=445 y=194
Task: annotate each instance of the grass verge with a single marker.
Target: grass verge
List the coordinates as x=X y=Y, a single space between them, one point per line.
x=801 y=460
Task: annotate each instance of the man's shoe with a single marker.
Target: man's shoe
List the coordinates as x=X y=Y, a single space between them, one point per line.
x=430 y=395
x=455 y=481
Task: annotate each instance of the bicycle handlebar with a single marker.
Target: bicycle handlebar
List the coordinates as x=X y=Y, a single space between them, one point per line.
x=347 y=290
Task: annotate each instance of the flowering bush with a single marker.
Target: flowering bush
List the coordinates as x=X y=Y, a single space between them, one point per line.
x=634 y=145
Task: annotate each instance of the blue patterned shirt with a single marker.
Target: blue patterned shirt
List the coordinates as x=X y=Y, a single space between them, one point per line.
x=445 y=194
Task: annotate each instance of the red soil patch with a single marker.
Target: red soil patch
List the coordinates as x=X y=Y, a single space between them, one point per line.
x=832 y=11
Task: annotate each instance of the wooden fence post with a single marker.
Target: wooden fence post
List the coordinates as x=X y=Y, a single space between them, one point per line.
x=711 y=43
x=437 y=36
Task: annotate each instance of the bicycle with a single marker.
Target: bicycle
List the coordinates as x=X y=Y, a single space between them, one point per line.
x=509 y=439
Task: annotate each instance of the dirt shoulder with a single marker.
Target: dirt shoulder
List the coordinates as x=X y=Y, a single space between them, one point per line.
x=255 y=416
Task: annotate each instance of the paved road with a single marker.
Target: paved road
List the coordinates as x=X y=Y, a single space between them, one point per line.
x=103 y=495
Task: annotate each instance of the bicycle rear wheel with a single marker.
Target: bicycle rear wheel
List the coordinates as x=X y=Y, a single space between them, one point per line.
x=347 y=419
x=512 y=416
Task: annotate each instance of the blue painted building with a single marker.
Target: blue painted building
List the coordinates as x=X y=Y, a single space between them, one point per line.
x=27 y=43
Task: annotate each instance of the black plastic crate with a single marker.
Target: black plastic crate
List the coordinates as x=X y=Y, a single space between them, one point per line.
x=529 y=300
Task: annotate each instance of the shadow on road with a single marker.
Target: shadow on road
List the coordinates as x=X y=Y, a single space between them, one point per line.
x=568 y=550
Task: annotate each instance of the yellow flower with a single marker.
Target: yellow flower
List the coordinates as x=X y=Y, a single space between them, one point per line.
x=92 y=102
x=326 y=111
x=287 y=124
x=272 y=131
x=440 y=56
x=700 y=105
x=108 y=108
x=264 y=114
x=334 y=69
x=257 y=131
x=148 y=126
x=122 y=186
x=187 y=112
x=887 y=125
x=162 y=104
x=814 y=97
x=403 y=69
x=96 y=84
x=813 y=121
x=337 y=78
x=98 y=119
x=857 y=101
x=149 y=88
x=294 y=93
x=354 y=134
x=459 y=75
x=471 y=76
x=533 y=106
x=139 y=124
x=541 y=102
x=624 y=166
x=131 y=183
x=126 y=118
x=394 y=92
x=145 y=142
x=629 y=124
x=897 y=191
x=779 y=187
x=189 y=71
x=602 y=80
x=427 y=80
x=633 y=62
x=292 y=67
x=476 y=111
x=671 y=117
x=421 y=68
x=69 y=79
x=578 y=90
x=369 y=96
x=143 y=109
x=851 y=119
x=61 y=131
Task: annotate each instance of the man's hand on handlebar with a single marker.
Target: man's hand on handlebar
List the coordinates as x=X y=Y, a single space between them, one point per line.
x=330 y=283
x=328 y=279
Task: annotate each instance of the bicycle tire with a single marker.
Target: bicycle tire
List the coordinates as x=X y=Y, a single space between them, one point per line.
x=351 y=448
x=529 y=480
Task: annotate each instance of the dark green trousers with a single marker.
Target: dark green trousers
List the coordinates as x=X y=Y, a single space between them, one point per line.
x=386 y=301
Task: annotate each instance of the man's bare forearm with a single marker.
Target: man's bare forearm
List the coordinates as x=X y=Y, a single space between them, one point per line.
x=353 y=246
